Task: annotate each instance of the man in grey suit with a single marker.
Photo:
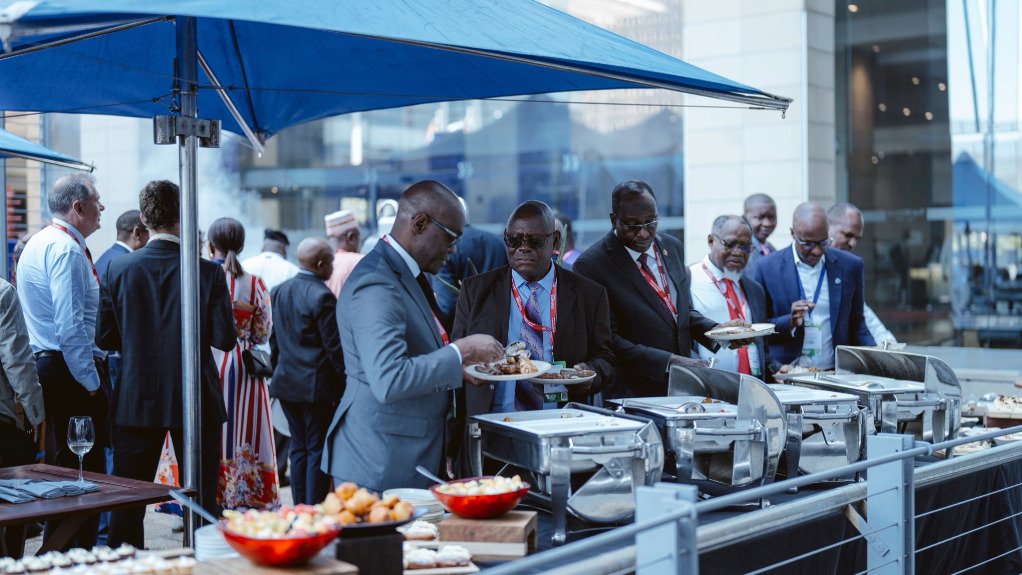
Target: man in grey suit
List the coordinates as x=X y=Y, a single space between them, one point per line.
x=401 y=372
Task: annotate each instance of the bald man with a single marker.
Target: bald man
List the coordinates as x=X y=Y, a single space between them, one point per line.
x=308 y=365
x=814 y=294
x=402 y=368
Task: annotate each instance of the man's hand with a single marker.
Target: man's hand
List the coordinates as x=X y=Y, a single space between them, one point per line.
x=784 y=368
x=736 y=343
x=479 y=348
x=798 y=311
x=687 y=362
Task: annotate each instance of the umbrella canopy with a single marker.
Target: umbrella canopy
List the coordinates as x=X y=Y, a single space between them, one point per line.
x=283 y=63
x=12 y=146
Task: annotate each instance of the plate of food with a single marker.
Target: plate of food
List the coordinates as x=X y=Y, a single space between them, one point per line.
x=515 y=365
x=565 y=376
x=733 y=333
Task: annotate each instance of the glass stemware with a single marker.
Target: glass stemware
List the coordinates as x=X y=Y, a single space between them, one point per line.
x=81 y=435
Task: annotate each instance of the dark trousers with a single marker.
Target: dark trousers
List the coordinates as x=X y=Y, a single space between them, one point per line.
x=16 y=448
x=137 y=455
x=308 y=423
x=64 y=397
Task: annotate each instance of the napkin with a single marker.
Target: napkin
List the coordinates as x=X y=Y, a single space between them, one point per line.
x=14 y=496
x=48 y=489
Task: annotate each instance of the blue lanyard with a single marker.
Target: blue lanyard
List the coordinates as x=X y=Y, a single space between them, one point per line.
x=819 y=284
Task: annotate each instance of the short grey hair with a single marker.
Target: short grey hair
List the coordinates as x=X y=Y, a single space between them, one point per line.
x=718 y=224
x=69 y=189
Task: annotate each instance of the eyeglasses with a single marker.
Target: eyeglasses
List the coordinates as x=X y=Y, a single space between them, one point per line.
x=649 y=226
x=532 y=242
x=809 y=244
x=732 y=246
x=447 y=230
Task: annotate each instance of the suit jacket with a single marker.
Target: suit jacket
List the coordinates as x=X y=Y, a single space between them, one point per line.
x=115 y=251
x=305 y=346
x=400 y=379
x=845 y=284
x=140 y=316
x=478 y=252
x=583 y=323
x=756 y=300
x=19 y=383
x=645 y=334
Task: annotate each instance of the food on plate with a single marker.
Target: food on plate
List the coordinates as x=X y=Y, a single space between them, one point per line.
x=453 y=556
x=419 y=558
x=798 y=369
x=485 y=486
x=569 y=374
x=100 y=559
x=710 y=400
x=420 y=531
x=516 y=361
x=731 y=331
x=507 y=419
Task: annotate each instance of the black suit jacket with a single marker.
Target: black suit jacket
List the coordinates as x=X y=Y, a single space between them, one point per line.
x=305 y=344
x=583 y=323
x=140 y=316
x=113 y=252
x=645 y=334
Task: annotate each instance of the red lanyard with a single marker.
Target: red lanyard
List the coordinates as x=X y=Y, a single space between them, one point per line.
x=553 y=311
x=95 y=274
x=440 y=327
x=738 y=306
x=665 y=296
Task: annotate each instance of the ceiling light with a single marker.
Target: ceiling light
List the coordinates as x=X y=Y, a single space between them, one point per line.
x=942 y=86
x=876 y=48
x=882 y=107
x=915 y=80
x=929 y=115
x=874 y=159
x=853 y=8
x=906 y=112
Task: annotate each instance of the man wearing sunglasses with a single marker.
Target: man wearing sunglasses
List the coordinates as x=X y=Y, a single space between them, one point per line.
x=559 y=315
x=648 y=288
x=814 y=295
x=721 y=292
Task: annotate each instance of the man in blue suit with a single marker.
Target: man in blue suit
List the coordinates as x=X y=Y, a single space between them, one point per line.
x=811 y=318
x=131 y=235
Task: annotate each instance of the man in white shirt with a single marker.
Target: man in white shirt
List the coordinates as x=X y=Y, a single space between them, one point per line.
x=59 y=289
x=721 y=293
x=845 y=232
x=271 y=264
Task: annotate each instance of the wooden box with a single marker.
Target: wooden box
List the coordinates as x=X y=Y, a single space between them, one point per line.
x=504 y=538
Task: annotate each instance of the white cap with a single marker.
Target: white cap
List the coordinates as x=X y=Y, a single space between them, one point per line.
x=340 y=223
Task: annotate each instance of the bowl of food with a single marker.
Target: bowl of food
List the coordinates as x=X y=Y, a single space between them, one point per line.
x=481 y=497
x=287 y=537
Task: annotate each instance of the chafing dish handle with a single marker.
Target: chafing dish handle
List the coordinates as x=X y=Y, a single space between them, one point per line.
x=827 y=416
x=607 y=412
x=602 y=449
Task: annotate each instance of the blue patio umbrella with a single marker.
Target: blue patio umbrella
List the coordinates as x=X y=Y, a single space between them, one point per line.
x=261 y=66
x=12 y=146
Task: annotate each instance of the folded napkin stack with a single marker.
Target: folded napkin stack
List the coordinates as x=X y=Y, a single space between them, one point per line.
x=25 y=490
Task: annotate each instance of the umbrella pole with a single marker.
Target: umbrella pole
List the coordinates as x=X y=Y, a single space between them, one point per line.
x=4 y=272
x=192 y=401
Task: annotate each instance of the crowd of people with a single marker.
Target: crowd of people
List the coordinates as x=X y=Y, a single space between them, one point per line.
x=365 y=351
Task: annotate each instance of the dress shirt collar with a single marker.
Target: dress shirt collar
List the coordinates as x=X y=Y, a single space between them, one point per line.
x=307 y=273
x=719 y=273
x=164 y=237
x=124 y=245
x=74 y=231
x=799 y=264
x=272 y=255
x=407 y=257
x=651 y=251
x=546 y=282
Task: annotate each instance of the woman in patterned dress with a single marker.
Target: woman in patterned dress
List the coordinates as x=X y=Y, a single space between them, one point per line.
x=248 y=465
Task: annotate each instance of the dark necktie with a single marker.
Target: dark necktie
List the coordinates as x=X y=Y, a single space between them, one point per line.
x=427 y=290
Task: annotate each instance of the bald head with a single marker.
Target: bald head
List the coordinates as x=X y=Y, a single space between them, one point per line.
x=315 y=255
x=845 y=226
x=811 y=232
x=429 y=221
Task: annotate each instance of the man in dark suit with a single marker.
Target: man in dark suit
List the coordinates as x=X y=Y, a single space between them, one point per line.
x=810 y=320
x=478 y=252
x=400 y=365
x=308 y=365
x=131 y=235
x=721 y=293
x=511 y=302
x=648 y=287
x=140 y=316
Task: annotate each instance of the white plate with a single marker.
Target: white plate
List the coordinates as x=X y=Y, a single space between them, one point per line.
x=470 y=568
x=412 y=495
x=557 y=369
x=541 y=368
x=758 y=330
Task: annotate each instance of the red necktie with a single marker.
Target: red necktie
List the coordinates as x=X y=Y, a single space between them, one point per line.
x=743 y=352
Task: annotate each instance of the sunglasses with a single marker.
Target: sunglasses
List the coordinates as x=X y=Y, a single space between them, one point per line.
x=456 y=237
x=732 y=246
x=649 y=226
x=532 y=242
x=809 y=244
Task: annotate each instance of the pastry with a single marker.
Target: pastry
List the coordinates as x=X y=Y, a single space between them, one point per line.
x=421 y=531
x=420 y=559
x=453 y=556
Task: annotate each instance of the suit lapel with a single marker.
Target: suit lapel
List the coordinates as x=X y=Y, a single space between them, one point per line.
x=502 y=307
x=628 y=267
x=566 y=297
x=790 y=281
x=404 y=277
x=834 y=290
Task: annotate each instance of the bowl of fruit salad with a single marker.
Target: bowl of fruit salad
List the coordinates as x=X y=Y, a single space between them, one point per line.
x=286 y=537
x=481 y=497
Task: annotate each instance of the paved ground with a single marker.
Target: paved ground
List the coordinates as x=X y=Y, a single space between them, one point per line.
x=159 y=529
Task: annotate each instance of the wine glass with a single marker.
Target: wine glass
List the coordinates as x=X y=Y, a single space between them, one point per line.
x=80 y=437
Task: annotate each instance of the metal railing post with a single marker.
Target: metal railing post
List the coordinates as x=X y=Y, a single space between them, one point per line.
x=671 y=547
x=890 y=507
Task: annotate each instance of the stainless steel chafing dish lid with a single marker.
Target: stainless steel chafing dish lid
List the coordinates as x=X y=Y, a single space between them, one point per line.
x=795 y=395
x=860 y=384
x=565 y=422
x=932 y=372
x=677 y=407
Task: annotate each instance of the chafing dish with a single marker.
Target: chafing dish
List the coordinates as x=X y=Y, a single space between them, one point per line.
x=905 y=392
x=826 y=429
x=605 y=454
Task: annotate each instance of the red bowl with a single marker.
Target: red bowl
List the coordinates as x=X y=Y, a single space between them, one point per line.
x=286 y=552
x=479 y=506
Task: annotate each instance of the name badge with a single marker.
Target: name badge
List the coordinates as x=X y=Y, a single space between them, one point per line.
x=812 y=343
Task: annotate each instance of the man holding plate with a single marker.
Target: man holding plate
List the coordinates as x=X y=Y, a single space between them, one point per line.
x=720 y=292
x=558 y=316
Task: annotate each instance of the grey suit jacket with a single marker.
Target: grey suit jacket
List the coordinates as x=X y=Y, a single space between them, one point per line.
x=400 y=379
x=18 y=381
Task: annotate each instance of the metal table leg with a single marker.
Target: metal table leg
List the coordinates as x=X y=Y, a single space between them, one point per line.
x=560 y=481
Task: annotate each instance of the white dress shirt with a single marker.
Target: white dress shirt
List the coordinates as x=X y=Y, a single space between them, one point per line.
x=125 y=246
x=809 y=276
x=60 y=297
x=876 y=328
x=271 y=268
x=707 y=300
